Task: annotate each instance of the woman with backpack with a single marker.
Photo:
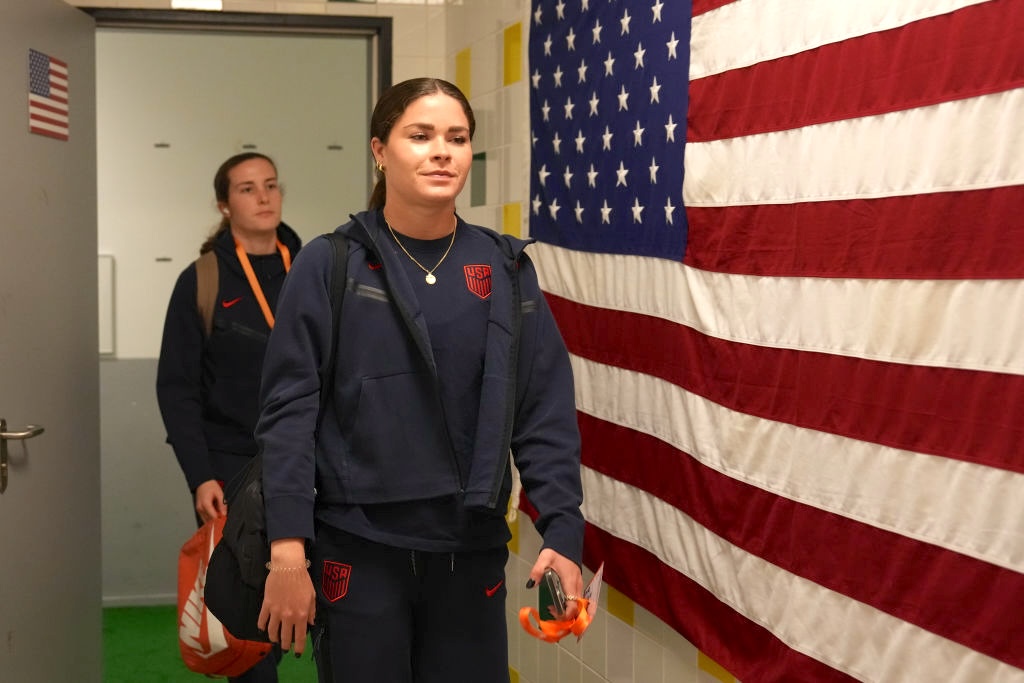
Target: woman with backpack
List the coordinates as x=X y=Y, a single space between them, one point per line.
x=218 y=322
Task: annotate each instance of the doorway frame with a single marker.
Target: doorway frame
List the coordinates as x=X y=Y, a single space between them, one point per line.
x=378 y=28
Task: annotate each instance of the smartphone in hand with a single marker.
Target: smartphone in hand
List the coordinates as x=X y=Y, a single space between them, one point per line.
x=551 y=596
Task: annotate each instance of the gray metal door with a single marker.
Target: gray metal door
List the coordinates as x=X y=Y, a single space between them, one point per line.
x=50 y=605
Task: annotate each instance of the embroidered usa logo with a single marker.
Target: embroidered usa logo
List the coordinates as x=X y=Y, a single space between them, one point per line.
x=478 y=280
x=334 y=581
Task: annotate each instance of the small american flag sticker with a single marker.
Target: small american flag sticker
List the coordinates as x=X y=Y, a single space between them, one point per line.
x=47 y=96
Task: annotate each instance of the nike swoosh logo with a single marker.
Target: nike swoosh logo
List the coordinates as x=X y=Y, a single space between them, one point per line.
x=198 y=628
x=491 y=591
x=228 y=304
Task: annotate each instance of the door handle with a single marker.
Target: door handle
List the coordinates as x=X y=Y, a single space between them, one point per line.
x=27 y=433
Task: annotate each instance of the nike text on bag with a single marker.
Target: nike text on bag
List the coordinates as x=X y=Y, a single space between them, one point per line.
x=207 y=647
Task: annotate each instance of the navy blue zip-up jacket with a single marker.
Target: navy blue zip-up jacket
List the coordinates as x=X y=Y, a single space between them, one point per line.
x=208 y=389
x=383 y=437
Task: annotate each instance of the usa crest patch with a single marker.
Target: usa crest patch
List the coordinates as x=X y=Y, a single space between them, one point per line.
x=478 y=280
x=334 y=582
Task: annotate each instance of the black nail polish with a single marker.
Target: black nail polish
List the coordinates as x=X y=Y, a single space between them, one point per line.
x=530 y=583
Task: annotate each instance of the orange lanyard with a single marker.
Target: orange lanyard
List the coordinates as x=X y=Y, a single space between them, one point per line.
x=553 y=631
x=243 y=258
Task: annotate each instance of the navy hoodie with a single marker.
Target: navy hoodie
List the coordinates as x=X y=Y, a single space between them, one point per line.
x=208 y=389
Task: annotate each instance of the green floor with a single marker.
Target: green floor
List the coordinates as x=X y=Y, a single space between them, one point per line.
x=140 y=645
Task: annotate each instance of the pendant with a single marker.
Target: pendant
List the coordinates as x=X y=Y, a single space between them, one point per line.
x=430 y=278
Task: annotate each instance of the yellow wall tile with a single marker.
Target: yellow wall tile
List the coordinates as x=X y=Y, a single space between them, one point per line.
x=513 y=675
x=511 y=219
x=513 y=544
x=619 y=605
x=710 y=666
x=463 y=71
x=513 y=53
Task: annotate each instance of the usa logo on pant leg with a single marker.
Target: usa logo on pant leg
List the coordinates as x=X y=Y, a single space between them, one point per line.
x=334 y=580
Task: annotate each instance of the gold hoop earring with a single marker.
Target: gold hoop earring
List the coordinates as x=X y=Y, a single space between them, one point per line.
x=380 y=167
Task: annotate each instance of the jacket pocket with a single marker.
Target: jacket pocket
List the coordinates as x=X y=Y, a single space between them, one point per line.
x=398 y=448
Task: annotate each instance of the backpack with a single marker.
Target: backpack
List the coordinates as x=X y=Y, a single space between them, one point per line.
x=207 y=647
x=226 y=556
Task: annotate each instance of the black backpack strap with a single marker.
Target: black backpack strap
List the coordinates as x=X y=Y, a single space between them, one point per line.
x=339 y=282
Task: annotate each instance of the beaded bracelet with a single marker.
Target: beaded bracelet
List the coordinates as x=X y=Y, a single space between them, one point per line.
x=275 y=568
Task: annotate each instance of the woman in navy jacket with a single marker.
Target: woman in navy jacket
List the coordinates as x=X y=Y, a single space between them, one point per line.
x=447 y=360
x=208 y=387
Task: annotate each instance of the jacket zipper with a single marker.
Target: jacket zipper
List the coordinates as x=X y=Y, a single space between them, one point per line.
x=510 y=398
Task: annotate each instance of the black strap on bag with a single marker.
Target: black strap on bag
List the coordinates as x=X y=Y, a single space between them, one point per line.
x=237 y=572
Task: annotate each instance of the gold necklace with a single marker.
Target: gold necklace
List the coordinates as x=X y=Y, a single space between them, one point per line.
x=430 y=278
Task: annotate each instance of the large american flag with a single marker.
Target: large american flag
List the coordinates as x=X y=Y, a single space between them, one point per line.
x=47 y=96
x=784 y=242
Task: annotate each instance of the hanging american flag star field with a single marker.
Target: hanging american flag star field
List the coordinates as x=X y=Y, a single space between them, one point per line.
x=48 y=112
x=608 y=112
x=783 y=242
